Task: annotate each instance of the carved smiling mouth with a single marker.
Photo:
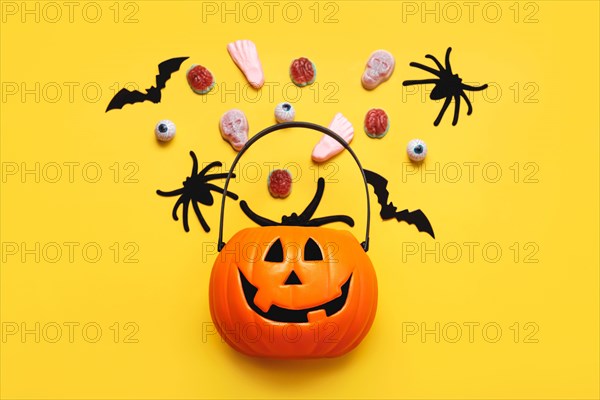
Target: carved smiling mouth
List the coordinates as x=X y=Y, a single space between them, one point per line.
x=280 y=314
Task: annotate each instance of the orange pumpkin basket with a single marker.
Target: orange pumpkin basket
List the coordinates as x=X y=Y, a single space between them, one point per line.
x=293 y=289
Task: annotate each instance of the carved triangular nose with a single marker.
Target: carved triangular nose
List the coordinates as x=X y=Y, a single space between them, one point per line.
x=292 y=279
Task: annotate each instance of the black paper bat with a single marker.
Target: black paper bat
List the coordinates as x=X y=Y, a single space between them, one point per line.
x=389 y=211
x=165 y=69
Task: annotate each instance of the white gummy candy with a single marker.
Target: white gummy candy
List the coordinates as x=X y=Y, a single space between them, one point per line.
x=234 y=128
x=165 y=130
x=416 y=150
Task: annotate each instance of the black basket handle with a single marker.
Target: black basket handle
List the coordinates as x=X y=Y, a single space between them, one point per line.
x=285 y=125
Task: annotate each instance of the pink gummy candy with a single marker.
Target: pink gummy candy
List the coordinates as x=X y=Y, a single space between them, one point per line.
x=245 y=56
x=234 y=128
x=328 y=146
x=379 y=68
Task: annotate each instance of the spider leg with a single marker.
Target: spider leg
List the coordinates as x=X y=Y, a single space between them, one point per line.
x=200 y=217
x=441 y=114
x=470 y=107
x=210 y=166
x=333 y=218
x=425 y=68
x=186 y=226
x=211 y=177
x=261 y=221
x=448 y=67
x=179 y=202
x=314 y=203
x=215 y=188
x=195 y=163
x=435 y=60
x=171 y=193
x=456 y=109
x=419 y=82
x=473 y=88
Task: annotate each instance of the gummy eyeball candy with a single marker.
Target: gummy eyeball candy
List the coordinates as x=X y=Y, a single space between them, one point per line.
x=284 y=112
x=164 y=130
x=416 y=150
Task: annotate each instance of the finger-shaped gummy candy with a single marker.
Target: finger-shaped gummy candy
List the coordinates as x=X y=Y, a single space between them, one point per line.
x=328 y=146
x=245 y=56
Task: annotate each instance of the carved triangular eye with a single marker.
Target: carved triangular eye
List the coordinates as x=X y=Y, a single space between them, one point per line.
x=312 y=251
x=275 y=253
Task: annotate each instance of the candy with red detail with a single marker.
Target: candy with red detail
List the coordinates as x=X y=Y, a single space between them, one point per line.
x=200 y=79
x=280 y=183
x=379 y=68
x=234 y=128
x=303 y=72
x=377 y=123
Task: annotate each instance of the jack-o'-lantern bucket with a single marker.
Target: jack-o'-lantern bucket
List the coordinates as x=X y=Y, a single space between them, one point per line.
x=298 y=290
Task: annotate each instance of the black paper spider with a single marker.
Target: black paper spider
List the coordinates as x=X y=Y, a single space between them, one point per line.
x=305 y=218
x=447 y=85
x=196 y=190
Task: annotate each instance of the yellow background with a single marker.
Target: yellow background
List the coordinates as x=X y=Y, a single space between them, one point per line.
x=546 y=47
